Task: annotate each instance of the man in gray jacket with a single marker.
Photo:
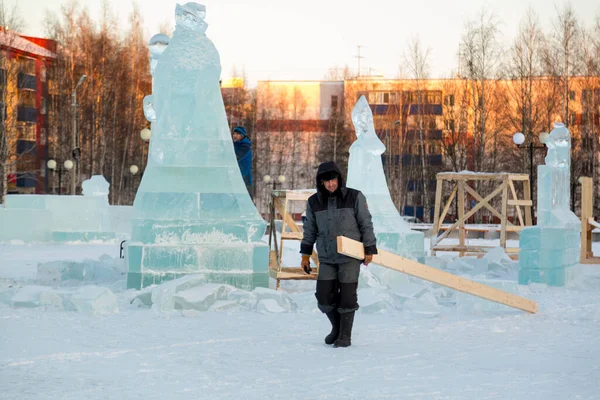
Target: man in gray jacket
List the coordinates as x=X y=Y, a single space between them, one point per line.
x=331 y=212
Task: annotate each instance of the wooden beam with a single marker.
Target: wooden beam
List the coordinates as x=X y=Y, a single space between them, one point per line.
x=355 y=249
x=520 y=203
x=448 y=204
x=503 y=219
x=461 y=214
x=527 y=196
x=587 y=220
x=473 y=211
x=515 y=198
x=485 y=203
x=439 y=188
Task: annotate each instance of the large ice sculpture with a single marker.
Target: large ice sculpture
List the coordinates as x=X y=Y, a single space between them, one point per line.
x=549 y=250
x=192 y=212
x=365 y=173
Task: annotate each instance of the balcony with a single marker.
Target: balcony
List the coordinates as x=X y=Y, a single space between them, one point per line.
x=422 y=109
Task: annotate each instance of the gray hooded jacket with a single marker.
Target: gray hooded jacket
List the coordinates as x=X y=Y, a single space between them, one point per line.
x=329 y=215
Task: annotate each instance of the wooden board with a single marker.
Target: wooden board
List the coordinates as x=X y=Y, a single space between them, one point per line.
x=355 y=249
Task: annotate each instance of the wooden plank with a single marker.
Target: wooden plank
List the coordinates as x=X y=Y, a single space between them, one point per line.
x=292 y=235
x=520 y=203
x=448 y=204
x=503 y=219
x=355 y=249
x=289 y=221
x=475 y=249
x=461 y=213
x=593 y=223
x=587 y=220
x=516 y=198
x=527 y=196
x=298 y=276
x=439 y=187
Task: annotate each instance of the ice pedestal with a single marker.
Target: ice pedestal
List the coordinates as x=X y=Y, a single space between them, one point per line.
x=550 y=250
x=365 y=173
x=192 y=211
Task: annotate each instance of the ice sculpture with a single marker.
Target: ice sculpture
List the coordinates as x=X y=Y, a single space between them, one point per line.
x=365 y=173
x=549 y=250
x=192 y=212
x=42 y=218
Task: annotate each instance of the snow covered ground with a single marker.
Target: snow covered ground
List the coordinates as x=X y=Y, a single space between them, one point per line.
x=70 y=330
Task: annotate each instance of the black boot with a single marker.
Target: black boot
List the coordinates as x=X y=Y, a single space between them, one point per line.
x=334 y=318
x=346 y=322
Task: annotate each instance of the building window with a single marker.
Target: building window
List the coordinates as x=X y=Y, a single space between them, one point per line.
x=449 y=100
x=449 y=124
x=334 y=102
x=572 y=95
x=27 y=65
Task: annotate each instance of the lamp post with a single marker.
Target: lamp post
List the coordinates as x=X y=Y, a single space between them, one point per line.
x=74 y=145
x=519 y=139
x=66 y=166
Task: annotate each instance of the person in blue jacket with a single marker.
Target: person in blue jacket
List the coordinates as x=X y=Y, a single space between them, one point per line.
x=243 y=152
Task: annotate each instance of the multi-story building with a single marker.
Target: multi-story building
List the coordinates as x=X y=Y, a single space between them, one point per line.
x=427 y=126
x=24 y=62
x=299 y=124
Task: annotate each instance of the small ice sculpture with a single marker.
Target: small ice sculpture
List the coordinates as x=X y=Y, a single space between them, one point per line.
x=192 y=212
x=549 y=250
x=95 y=186
x=365 y=173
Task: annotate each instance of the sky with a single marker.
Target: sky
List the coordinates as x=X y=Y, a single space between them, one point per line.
x=290 y=40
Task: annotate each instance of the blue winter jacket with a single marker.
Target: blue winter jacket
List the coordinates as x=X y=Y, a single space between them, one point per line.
x=243 y=153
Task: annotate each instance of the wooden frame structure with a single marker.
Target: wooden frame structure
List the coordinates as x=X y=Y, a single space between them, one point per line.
x=280 y=204
x=460 y=187
x=355 y=249
x=587 y=221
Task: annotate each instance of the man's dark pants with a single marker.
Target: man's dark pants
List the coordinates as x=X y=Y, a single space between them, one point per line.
x=336 y=286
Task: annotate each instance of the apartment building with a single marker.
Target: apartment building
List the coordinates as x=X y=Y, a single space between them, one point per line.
x=24 y=62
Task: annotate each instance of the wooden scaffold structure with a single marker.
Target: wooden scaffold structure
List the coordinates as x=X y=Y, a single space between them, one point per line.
x=281 y=204
x=462 y=185
x=588 y=223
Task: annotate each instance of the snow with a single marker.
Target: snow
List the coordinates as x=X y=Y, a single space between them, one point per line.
x=411 y=339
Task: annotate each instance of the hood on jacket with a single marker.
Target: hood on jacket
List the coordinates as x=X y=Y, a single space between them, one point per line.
x=328 y=170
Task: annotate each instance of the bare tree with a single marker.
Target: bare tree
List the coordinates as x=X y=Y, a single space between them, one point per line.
x=10 y=20
x=417 y=62
x=480 y=55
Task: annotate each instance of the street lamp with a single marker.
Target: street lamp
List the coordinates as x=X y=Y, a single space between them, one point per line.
x=67 y=166
x=519 y=139
x=74 y=145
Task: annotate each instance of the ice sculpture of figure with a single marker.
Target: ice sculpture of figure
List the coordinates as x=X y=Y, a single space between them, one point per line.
x=365 y=173
x=549 y=250
x=192 y=212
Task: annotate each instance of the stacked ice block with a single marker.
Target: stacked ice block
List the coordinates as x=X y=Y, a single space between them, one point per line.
x=42 y=218
x=192 y=212
x=365 y=173
x=550 y=250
